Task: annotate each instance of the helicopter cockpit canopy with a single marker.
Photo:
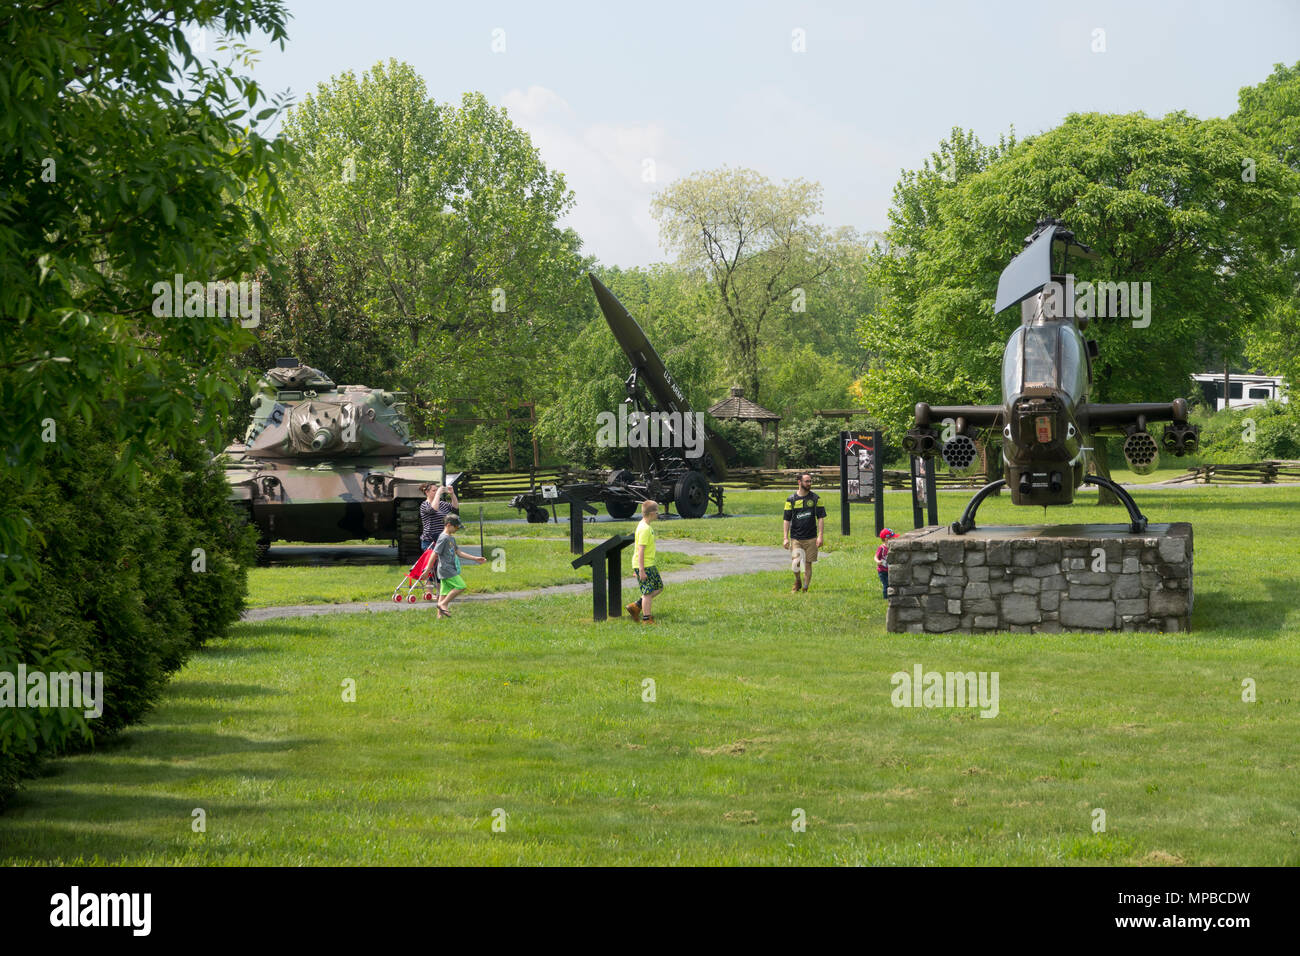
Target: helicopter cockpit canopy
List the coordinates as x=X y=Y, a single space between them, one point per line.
x=1049 y=354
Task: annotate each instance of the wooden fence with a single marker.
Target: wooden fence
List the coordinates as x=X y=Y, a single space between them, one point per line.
x=475 y=485
x=478 y=485
x=1255 y=472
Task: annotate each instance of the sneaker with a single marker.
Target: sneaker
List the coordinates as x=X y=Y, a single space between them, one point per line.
x=647 y=620
x=796 y=589
x=634 y=611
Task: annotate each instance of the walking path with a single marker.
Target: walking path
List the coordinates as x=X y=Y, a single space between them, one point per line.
x=720 y=560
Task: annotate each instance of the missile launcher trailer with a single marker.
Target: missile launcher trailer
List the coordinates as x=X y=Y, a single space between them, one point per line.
x=665 y=471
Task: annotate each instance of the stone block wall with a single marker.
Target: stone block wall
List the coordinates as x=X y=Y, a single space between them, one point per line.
x=1046 y=579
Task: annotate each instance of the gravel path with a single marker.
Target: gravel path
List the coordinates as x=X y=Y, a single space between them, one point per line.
x=720 y=560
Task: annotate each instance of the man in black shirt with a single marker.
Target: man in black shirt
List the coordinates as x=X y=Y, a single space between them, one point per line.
x=805 y=526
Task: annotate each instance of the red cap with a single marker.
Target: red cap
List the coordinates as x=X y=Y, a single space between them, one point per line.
x=886 y=534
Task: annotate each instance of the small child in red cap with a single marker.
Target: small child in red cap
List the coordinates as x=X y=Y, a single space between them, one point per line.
x=882 y=561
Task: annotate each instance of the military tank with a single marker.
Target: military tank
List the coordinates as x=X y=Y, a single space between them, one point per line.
x=326 y=463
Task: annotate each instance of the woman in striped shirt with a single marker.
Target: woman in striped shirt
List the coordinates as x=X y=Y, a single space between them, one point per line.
x=433 y=512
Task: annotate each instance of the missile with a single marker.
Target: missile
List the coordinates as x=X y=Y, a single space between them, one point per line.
x=651 y=371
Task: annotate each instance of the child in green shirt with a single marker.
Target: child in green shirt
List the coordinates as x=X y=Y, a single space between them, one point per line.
x=643 y=564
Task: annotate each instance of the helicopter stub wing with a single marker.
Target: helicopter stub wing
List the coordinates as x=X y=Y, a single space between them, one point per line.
x=1121 y=416
x=976 y=416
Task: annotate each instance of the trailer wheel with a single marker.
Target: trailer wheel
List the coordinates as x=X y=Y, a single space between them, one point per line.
x=620 y=507
x=691 y=495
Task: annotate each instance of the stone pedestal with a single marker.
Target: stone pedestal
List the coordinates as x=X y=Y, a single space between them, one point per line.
x=1090 y=577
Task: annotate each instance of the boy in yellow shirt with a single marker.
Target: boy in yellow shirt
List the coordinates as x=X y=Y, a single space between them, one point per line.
x=647 y=575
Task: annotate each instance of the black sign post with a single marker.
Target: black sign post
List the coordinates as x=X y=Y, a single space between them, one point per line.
x=924 y=499
x=606 y=562
x=918 y=492
x=931 y=499
x=861 y=475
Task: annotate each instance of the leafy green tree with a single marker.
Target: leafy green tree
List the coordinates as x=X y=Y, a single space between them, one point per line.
x=1161 y=201
x=1270 y=114
x=131 y=158
x=905 y=367
x=135 y=577
x=448 y=218
x=810 y=359
x=803 y=379
x=747 y=440
x=484 y=450
x=755 y=242
x=810 y=443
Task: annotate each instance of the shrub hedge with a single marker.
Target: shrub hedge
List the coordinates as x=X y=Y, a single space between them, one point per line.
x=128 y=578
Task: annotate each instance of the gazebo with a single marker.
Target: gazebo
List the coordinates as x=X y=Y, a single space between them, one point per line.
x=740 y=408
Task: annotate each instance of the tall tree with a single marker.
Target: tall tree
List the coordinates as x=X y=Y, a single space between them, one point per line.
x=130 y=158
x=756 y=243
x=449 y=218
x=824 y=337
x=1270 y=114
x=1161 y=200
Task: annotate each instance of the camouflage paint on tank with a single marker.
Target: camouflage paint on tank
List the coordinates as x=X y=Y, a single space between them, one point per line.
x=328 y=463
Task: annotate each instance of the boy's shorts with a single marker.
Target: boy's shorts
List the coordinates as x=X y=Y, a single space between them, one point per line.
x=454 y=583
x=652 y=582
x=803 y=553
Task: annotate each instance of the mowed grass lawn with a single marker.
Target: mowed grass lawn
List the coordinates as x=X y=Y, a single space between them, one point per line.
x=767 y=706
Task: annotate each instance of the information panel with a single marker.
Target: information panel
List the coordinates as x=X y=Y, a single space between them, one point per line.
x=860 y=475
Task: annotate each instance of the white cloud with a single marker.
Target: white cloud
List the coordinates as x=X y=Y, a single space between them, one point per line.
x=608 y=167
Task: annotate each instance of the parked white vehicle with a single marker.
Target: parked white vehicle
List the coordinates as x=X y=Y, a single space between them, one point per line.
x=1244 y=391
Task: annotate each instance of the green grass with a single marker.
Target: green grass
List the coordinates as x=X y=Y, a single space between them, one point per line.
x=514 y=564
x=766 y=702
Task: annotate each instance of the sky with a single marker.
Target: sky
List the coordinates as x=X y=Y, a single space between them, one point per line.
x=625 y=97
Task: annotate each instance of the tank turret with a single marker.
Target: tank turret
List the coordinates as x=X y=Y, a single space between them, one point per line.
x=322 y=462
x=300 y=413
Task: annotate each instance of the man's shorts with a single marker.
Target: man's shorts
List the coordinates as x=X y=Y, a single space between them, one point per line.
x=652 y=582
x=454 y=583
x=803 y=552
